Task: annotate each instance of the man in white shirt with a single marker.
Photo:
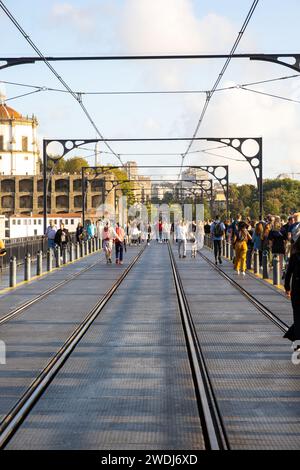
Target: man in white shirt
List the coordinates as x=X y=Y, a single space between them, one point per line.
x=181 y=235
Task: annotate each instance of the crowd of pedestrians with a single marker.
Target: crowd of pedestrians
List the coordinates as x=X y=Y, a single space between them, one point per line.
x=269 y=237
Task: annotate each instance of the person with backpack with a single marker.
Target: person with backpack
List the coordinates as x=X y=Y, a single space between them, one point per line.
x=241 y=247
x=292 y=290
x=217 y=232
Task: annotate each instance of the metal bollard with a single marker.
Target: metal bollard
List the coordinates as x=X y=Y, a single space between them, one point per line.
x=12 y=271
x=231 y=251
x=96 y=244
x=58 y=260
x=39 y=263
x=276 y=270
x=87 y=247
x=27 y=267
x=49 y=260
x=265 y=265
x=65 y=255
x=81 y=246
x=223 y=247
x=256 y=262
x=71 y=252
x=77 y=250
x=227 y=248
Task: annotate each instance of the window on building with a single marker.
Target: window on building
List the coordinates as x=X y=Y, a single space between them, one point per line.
x=66 y=221
x=72 y=221
x=55 y=221
x=25 y=221
x=34 y=222
x=40 y=222
x=14 y=221
x=25 y=144
x=1 y=142
x=29 y=221
x=19 y=222
x=35 y=232
x=26 y=158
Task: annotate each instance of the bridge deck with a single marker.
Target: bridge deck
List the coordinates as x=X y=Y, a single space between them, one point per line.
x=128 y=383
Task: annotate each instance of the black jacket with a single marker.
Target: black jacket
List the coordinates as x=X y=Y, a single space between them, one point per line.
x=59 y=235
x=293 y=270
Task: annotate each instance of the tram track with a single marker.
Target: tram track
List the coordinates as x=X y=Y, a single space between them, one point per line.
x=213 y=428
x=18 y=413
x=259 y=305
x=16 y=311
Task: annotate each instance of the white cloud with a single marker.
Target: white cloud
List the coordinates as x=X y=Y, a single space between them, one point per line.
x=171 y=26
x=66 y=14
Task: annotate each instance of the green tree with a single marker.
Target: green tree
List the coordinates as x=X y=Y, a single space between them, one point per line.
x=74 y=164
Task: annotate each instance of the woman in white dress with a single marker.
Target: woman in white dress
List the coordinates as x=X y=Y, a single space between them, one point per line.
x=200 y=234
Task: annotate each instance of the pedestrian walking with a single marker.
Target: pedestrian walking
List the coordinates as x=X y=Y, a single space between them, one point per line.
x=149 y=231
x=119 y=243
x=62 y=238
x=241 y=247
x=257 y=240
x=217 y=232
x=181 y=236
x=292 y=289
x=79 y=232
x=108 y=236
x=50 y=234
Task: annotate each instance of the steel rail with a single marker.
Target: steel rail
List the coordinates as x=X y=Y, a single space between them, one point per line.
x=12 y=421
x=261 y=307
x=212 y=425
x=8 y=316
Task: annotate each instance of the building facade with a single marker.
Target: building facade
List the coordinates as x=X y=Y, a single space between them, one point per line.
x=19 y=153
x=23 y=195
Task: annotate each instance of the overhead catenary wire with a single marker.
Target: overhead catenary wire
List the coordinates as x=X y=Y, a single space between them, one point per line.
x=76 y=96
x=140 y=92
x=220 y=76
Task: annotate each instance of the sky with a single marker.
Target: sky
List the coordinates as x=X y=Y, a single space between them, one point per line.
x=125 y=27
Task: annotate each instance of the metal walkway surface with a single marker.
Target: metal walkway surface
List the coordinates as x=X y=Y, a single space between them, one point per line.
x=257 y=387
x=128 y=383
x=34 y=335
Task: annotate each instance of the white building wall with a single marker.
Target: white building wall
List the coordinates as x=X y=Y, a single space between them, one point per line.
x=13 y=160
x=20 y=227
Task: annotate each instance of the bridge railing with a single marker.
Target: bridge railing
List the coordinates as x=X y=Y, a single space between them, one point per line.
x=269 y=269
x=54 y=258
x=21 y=247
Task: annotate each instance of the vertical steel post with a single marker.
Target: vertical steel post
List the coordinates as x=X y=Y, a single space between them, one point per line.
x=276 y=270
x=77 y=250
x=45 y=162
x=58 y=260
x=49 y=260
x=83 y=195
x=256 y=262
x=27 y=267
x=71 y=253
x=65 y=254
x=12 y=271
x=39 y=263
x=265 y=265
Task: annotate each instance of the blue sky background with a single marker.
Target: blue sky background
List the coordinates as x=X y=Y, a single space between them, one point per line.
x=160 y=26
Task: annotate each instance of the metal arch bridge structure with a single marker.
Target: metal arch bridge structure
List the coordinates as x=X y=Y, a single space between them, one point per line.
x=290 y=60
x=255 y=160
x=202 y=185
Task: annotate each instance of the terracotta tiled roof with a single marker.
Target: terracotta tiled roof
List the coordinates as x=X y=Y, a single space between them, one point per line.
x=8 y=113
